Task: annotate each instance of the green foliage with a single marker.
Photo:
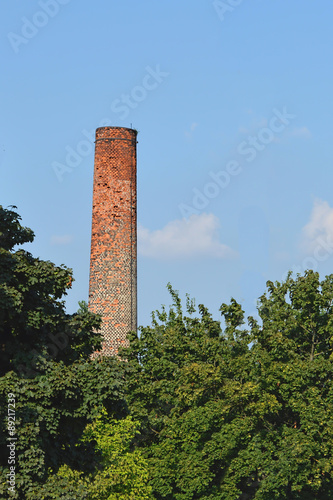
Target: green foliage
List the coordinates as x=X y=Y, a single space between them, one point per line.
x=45 y=362
x=34 y=327
x=240 y=413
x=122 y=473
x=11 y=231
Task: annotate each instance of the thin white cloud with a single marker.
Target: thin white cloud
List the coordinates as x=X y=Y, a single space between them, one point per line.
x=302 y=132
x=320 y=226
x=196 y=236
x=65 y=239
x=193 y=126
x=254 y=125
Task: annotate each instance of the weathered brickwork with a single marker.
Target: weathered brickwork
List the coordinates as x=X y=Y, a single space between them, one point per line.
x=113 y=261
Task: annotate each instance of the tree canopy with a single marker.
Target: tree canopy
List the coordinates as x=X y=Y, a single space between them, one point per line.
x=238 y=413
x=45 y=366
x=194 y=408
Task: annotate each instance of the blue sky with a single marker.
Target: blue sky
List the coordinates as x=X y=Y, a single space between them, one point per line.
x=235 y=136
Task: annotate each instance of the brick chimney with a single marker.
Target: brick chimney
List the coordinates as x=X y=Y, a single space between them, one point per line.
x=113 y=260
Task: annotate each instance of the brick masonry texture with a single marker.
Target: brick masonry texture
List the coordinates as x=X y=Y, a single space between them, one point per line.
x=113 y=260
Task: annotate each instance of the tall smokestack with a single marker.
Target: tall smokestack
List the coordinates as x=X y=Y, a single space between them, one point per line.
x=113 y=261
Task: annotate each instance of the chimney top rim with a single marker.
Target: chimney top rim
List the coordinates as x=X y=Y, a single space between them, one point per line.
x=119 y=128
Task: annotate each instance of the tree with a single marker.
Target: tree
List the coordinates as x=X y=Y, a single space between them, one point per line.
x=232 y=413
x=46 y=369
x=181 y=374
x=239 y=413
x=122 y=473
x=293 y=357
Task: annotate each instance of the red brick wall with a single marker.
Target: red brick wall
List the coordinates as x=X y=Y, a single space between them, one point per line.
x=113 y=261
